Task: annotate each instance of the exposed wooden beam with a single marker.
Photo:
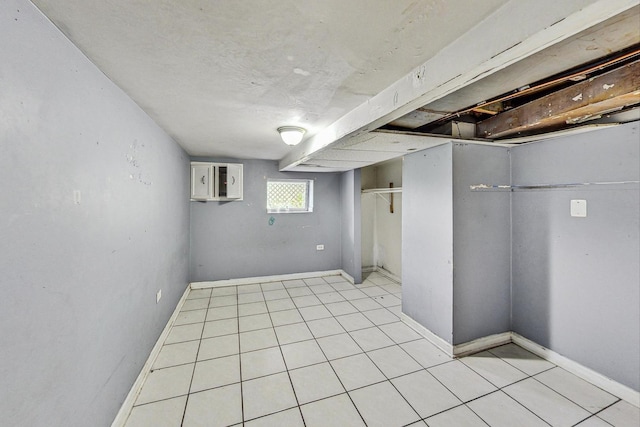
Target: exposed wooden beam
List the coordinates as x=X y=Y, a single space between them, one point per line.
x=492 y=109
x=581 y=102
x=513 y=32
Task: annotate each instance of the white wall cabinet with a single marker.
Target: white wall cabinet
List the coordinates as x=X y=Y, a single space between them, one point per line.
x=216 y=181
x=201 y=181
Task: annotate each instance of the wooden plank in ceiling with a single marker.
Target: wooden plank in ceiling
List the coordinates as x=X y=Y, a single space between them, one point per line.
x=585 y=100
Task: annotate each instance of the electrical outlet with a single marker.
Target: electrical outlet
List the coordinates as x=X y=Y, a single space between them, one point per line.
x=319 y=247
x=158 y=295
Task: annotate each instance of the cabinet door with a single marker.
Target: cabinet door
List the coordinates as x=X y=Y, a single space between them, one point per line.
x=201 y=185
x=234 y=181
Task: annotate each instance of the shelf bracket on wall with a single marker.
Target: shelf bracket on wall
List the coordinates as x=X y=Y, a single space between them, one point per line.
x=381 y=191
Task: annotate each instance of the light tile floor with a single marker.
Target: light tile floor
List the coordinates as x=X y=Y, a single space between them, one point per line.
x=323 y=352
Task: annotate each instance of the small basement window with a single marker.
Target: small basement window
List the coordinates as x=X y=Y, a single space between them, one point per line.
x=290 y=196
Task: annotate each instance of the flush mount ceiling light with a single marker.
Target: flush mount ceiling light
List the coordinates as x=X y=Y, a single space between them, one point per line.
x=291 y=135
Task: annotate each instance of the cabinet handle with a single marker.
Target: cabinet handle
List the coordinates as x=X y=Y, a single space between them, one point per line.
x=233 y=180
x=202 y=179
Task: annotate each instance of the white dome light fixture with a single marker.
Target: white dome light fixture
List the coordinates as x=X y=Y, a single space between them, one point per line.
x=291 y=135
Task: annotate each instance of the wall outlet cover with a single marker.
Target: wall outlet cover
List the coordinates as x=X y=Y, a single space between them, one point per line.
x=579 y=208
x=319 y=247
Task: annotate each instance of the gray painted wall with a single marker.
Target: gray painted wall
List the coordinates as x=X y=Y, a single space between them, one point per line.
x=234 y=239
x=351 y=228
x=481 y=243
x=79 y=280
x=456 y=243
x=576 y=280
x=569 y=284
x=427 y=239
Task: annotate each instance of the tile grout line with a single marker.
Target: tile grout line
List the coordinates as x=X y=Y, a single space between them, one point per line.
x=510 y=397
x=528 y=376
x=409 y=373
x=404 y=351
x=374 y=364
x=239 y=357
x=295 y=395
x=186 y=403
x=422 y=368
x=567 y=397
x=333 y=369
x=595 y=415
x=349 y=334
x=532 y=376
x=272 y=327
x=314 y=338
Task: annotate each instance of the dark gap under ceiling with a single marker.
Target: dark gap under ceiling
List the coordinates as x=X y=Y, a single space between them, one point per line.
x=585 y=93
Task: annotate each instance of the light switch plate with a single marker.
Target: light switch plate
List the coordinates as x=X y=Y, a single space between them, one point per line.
x=579 y=208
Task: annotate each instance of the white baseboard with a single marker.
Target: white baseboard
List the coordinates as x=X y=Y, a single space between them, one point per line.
x=264 y=279
x=459 y=350
x=481 y=344
x=595 y=378
x=485 y=343
x=127 y=405
x=426 y=333
x=348 y=277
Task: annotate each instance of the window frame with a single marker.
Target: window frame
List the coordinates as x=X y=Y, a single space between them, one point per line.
x=308 y=196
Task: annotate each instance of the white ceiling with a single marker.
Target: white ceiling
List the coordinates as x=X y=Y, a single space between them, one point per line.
x=221 y=76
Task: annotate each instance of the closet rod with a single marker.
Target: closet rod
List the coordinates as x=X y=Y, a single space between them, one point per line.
x=545 y=186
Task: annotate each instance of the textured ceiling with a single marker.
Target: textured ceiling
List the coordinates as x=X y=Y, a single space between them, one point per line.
x=220 y=77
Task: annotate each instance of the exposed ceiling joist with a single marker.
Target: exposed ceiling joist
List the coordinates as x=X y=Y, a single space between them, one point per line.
x=583 y=101
x=497 y=105
x=584 y=53
x=504 y=38
x=208 y=71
